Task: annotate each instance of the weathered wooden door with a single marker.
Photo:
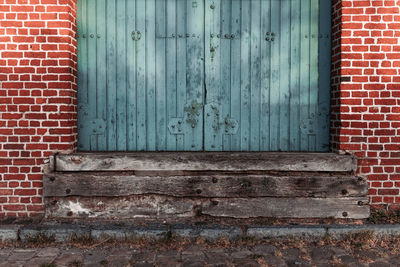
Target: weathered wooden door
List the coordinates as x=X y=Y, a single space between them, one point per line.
x=214 y=75
x=140 y=75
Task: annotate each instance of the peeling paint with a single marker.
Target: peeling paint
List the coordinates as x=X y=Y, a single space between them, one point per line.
x=76 y=208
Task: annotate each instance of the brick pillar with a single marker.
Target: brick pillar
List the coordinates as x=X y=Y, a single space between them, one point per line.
x=37 y=96
x=366 y=92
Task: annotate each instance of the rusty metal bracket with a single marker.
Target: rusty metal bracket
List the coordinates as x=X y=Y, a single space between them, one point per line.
x=217 y=123
x=136 y=35
x=192 y=110
x=175 y=126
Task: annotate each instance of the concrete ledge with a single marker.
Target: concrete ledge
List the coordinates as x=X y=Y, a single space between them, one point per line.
x=9 y=233
x=60 y=233
x=64 y=232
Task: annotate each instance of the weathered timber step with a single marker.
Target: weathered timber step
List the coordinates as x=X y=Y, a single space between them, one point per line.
x=107 y=184
x=166 y=207
x=216 y=184
x=210 y=161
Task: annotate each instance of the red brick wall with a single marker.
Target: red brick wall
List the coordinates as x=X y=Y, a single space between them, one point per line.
x=366 y=92
x=37 y=96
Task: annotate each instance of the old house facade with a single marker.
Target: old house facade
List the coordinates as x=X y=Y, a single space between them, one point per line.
x=158 y=75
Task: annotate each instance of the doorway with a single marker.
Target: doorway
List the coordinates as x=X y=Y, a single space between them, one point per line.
x=203 y=75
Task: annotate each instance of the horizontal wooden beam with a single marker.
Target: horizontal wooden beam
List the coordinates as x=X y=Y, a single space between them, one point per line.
x=157 y=206
x=106 y=184
x=205 y=161
x=289 y=208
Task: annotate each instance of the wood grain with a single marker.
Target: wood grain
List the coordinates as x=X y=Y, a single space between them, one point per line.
x=208 y=161
x=87 y=184
x=153 y=207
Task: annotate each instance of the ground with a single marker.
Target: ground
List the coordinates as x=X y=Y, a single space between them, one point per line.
x=360 y=249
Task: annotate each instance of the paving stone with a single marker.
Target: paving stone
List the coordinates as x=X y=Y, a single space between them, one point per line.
x=265 y=250
x=217 y=258
x=338 y=252
x=168 y=258
x=38 y=261
x=22 y=254
x=321 y=254
x=274 y=261
x=65 y=259
x=12 y=264
x=347 y=259
x=291 y=254
x=240 y=254
x=48 y=252
x=143 y=264
x=394 y=259
x=193 y=263
x=94 y=257
x=381 y=264
x=246 y=263
x=298 y=263
x=117 y=261
x=142 y=256
x=4 y=254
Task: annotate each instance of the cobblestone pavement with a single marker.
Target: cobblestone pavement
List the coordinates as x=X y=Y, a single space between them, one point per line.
x=261 y=254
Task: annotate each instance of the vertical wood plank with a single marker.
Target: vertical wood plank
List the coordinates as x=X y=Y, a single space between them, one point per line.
x=265 y=75
x=195 y=74
x=151 y=74
x=214 y=46
x=225 y=58
x=324 y=66
x=161 y=120
x=92 y=68
x=131 y=75
x=255 y=77
x=294 y=76
x=171 y=68
x=284 y=76
x=141 y=85
x=275 y=76
x=181 y=58
x=314 y=28
x=304 y=72
x=111 y=76
x=101 y=70
x=236 y=71
x=83 y=131
x=121 y=75
x=245 y=75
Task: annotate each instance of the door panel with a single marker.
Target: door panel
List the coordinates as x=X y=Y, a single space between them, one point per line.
x=263 y=91
x=140 y=75
x=194 y=75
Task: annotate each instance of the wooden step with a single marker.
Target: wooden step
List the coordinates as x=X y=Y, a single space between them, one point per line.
x=114 y=184
x=209 y=161
x=162 y=207
x=187 y=185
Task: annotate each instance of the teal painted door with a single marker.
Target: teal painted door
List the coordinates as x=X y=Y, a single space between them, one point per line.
x=194 y=75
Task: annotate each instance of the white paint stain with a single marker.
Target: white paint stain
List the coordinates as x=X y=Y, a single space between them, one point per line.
x=76 y=208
